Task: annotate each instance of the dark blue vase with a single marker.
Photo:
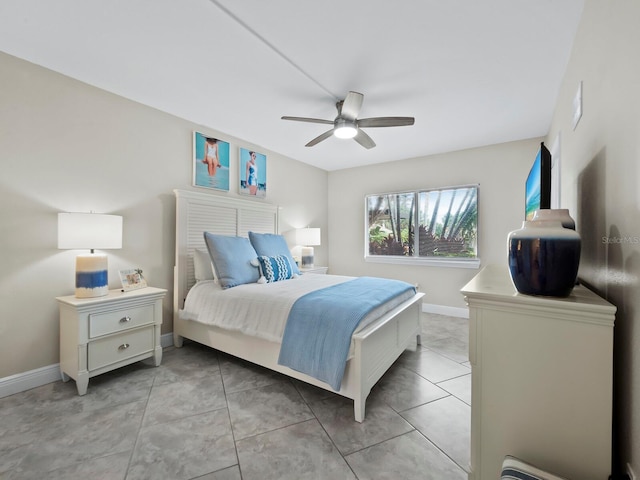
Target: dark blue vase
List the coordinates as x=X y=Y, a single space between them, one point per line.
x=544 y=258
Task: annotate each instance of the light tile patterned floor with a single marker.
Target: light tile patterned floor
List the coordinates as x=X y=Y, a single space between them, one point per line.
x=209 y=416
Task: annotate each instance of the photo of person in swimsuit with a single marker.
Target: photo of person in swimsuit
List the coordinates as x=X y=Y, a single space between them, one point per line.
x=252 y=174
x=211 y=155
x=210 y=162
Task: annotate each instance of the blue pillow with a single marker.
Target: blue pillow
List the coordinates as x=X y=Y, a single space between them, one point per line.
x=231 y=257
x=275 y=269
x=270 y=245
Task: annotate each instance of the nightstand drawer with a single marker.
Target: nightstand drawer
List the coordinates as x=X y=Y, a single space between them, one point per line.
x=119 y=347
x=118 y=320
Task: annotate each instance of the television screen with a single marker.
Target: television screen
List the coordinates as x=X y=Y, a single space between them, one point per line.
x=538 y=185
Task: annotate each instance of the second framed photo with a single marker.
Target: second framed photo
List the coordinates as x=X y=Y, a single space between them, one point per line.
x=210 y=162
x=253 y=173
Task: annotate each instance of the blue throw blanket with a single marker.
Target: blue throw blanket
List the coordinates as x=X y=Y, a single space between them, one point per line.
x=318 y=332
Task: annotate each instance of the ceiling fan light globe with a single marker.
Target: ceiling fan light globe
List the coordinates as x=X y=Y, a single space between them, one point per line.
x=345 y=129
x=345 y=132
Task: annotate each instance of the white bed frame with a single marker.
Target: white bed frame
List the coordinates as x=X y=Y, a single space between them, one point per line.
x=376 y=347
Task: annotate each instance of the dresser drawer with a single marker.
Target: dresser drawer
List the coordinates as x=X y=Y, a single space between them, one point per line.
x=112 y=349
x=118 y=320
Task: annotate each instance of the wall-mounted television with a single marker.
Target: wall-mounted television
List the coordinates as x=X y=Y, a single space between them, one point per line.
x=538 y=185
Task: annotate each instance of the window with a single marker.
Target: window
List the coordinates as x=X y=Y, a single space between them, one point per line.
x=436 y=226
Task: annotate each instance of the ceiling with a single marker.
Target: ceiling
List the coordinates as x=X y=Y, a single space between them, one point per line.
x=471 y=72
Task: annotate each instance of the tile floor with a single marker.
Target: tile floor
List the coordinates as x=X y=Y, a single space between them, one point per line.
x=206 y=415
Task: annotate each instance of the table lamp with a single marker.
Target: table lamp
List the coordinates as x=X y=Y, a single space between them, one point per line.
x=90 y=231
x=307 y=238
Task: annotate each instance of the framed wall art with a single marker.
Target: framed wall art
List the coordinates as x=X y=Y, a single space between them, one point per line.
x=210 y=162
x=253 y=173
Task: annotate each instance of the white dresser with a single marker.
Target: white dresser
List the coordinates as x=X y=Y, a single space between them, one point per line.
x=103 y=333
x=541 y=371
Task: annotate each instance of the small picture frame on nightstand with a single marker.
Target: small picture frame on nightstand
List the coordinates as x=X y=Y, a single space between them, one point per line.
x=132 y=279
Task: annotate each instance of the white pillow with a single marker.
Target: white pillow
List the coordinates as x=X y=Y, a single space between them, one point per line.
x=202 y=266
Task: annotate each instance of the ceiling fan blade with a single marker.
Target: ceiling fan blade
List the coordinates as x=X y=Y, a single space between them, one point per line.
x=309 y=120
x=365 y=140
x=320 y=138
x=385 y=122
x=351 y=105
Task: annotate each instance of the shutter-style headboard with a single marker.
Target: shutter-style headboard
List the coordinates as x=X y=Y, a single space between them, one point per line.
x=198 y=212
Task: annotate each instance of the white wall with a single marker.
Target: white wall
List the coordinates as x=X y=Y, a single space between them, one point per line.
x=600 y=186
x=500 y=170
x=67 y=146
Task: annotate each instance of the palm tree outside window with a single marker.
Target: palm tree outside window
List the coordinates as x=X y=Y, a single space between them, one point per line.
x=436 y=223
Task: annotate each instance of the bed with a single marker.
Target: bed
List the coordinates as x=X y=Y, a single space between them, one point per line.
x=373 y=347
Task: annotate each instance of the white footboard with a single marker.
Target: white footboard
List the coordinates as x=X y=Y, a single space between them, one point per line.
x=379 y=345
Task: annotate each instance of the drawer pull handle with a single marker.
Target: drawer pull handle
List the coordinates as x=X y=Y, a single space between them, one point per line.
x=124 y=346
x=125 y=319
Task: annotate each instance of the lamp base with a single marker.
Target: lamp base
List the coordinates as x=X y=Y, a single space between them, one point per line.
x=91 y=276
x=307 y=257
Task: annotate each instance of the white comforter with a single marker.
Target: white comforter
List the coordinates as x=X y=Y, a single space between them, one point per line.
x=261 y=310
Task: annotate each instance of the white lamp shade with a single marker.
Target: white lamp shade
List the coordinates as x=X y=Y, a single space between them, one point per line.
x=89 y=231
x=307 y=236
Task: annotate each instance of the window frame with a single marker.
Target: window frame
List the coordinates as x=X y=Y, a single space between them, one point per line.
x=416 y=259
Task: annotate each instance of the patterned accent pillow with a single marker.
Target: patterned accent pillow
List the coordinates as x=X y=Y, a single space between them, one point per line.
x=276 y=268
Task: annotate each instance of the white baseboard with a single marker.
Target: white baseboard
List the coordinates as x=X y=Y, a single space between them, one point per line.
x=445 y=310
x=21 y=382
x=28 y=380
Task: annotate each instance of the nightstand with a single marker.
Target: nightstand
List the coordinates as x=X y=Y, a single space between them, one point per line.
x=100 y=334
x=319 y=270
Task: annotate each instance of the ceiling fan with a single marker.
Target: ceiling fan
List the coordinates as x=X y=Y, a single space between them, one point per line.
x=347 y=124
